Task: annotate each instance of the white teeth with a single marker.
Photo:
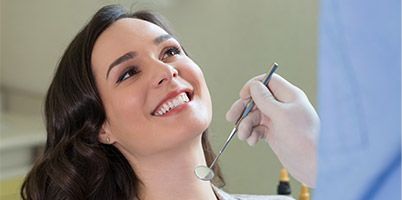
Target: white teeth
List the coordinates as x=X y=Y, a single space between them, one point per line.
x=172 y=103
x=165 y=108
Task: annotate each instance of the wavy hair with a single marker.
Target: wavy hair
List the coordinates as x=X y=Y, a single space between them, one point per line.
x=74 y=164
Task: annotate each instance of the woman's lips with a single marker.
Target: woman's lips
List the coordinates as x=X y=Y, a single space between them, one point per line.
x=174 y=110
x=173 y=102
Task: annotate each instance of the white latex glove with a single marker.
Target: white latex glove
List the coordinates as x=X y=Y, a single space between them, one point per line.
x=286 y=120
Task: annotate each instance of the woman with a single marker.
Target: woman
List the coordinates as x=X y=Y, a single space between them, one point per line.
x=127 y=115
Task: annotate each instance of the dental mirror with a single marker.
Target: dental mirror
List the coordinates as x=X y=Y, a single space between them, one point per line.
x=206 y=173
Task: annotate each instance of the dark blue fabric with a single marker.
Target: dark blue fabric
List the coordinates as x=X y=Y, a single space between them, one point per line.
x=359 y=95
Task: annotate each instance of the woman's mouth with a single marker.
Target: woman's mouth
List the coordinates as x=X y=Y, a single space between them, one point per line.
x=173 y=103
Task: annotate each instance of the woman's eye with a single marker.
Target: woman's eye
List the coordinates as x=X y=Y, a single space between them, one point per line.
x=172 y=51
x=127 y=74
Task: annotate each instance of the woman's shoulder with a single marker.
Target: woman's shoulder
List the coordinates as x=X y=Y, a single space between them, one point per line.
x=260 y=197
x=222 y=195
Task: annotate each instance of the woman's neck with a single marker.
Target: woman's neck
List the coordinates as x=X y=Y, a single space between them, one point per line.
x=170 y=175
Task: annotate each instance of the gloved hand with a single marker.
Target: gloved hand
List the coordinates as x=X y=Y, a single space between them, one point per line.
x=285 y=119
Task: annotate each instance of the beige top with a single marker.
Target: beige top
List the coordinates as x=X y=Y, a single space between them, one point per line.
x=225 y=196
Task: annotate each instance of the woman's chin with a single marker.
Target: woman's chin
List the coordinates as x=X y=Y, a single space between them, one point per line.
x=193 y=129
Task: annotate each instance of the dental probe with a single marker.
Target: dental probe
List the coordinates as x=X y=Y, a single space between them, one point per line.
x=206 y=173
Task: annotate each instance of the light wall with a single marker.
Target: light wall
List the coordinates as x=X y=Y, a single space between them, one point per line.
x=231 y=40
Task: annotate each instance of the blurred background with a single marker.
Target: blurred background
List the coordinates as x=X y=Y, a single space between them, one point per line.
x=332 y=49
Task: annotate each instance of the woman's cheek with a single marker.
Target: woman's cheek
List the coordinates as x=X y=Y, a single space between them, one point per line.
x=127 y=109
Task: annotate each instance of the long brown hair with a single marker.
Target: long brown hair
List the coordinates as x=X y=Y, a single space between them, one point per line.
x=75 y=165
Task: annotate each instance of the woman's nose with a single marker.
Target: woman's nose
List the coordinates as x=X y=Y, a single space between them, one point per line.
x=165 y=74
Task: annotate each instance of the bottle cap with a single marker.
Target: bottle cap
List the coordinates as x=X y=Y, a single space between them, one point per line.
x=304 y=193
x=284 y=175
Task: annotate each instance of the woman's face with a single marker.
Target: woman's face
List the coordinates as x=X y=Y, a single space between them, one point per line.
x=155 y=97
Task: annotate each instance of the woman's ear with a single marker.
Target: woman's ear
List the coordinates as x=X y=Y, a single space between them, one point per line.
x=105 y=135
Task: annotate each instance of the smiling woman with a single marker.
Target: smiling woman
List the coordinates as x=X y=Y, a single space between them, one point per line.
x=126 y=112
x=151 y=81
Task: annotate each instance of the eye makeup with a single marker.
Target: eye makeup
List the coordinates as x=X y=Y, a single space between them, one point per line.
x=127 y=73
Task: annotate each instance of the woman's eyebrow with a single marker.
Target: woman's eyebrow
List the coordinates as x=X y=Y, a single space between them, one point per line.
x=121 y=59
x=131 y=54
x=162 y=38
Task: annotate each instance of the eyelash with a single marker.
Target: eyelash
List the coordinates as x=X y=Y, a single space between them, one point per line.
x=130 y=72
x=171 y=51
